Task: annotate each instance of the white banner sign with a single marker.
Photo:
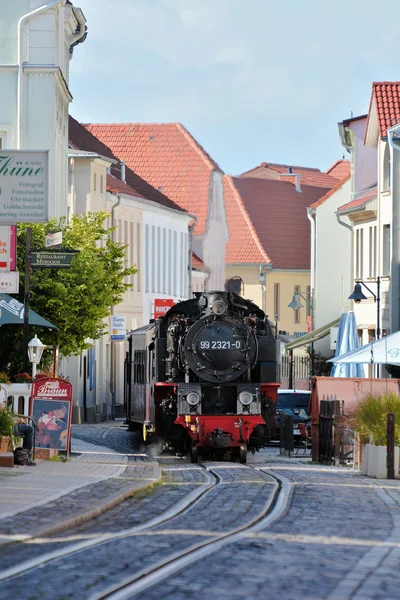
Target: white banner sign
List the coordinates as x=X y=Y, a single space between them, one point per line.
x=9 y=282
x=24 y=186
x=118 y=328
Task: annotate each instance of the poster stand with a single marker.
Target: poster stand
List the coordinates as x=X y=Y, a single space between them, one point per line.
x=50 y=406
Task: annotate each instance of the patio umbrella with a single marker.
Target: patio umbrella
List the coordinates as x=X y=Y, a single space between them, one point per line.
x=347 y=341
x=12 y=312
x=380 y=352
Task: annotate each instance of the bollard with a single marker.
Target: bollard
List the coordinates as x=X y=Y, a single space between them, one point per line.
x=288 y=426
x=390 y=445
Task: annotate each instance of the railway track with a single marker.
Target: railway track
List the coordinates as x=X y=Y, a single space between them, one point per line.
x=205 y=542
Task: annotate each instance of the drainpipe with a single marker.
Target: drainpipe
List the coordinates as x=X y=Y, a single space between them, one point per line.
x=112 y=353
x=350 y=227
x=310 y=215
x=395 y=233
x=82 y=27
x=20 y=88
x=72 y=171
x=190 y=260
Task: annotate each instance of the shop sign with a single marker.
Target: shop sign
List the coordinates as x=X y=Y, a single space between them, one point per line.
x=162 y=306
x=9 y=282
x=24 y=186
x=118 y=328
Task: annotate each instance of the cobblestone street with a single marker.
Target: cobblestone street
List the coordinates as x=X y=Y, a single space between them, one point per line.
x=337 y=535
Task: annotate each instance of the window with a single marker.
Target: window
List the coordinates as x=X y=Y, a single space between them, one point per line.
x=386 y=250
x=297 y=312
x=386 y=169
x=94 y=182
x=372 y=251
x=101 y=183
x=359 y=253
x=276 y=300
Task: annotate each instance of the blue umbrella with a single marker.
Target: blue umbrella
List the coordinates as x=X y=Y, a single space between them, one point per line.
x=347 y=340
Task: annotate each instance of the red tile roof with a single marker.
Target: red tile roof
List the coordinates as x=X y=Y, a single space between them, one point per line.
x=331 y=192
x=386 y=95
x=340 y=169
x=115 y=185
x=362 y=199
x=168 y=157
x=308 y=175
x=80 y=138
x=243 y=245
x=275 y=215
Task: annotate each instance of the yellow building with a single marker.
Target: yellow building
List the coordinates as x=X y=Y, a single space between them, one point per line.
x=268 y=251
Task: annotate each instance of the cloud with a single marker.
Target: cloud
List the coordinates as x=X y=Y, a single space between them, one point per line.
x=231 y=55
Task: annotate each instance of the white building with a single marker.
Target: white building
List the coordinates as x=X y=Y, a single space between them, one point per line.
x=34 y=75
x=156 y=234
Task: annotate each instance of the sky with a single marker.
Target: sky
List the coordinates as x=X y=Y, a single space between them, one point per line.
x=252 y=80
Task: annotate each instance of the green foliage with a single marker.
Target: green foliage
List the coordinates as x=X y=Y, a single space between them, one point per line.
x=4 y=378
x=370 y=418
x=6 y=422
x=320 y=367
x=77 y=300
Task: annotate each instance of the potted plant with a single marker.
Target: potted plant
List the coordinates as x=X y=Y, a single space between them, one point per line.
x=22 y=378
x=370 y=422
x=6 y=428
x=4 y=378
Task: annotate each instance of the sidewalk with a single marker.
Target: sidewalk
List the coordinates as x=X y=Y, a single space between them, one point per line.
x=53 y=496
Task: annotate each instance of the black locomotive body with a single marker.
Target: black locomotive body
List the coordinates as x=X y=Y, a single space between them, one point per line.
x=204 y=376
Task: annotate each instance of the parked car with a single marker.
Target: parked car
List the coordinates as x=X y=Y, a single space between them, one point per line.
x=295 y=403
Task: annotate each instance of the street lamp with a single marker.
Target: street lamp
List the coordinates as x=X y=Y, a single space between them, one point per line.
x=296 y=305
x=358 y=295
x=264 y=270
x=35 y=351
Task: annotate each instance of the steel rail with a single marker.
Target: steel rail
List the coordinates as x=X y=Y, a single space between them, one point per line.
x=179 y=508
x=274 y=509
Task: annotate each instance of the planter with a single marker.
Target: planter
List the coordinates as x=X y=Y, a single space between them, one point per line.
x=373 y=462
x=4 y=441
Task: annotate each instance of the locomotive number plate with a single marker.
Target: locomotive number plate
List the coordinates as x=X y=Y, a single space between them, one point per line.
x=220 y=345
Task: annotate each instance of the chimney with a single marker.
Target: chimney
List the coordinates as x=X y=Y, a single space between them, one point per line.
x=122 y=171
x=292 y=178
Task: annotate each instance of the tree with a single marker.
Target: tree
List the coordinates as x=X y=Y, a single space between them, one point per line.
x=77 y=300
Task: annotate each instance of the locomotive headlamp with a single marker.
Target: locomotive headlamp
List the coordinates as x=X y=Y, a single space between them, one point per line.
x=193 y=398
x=218 y=308
x=245 y=398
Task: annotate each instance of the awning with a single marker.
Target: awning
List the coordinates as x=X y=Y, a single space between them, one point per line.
x=12 y=313
x=313 y=336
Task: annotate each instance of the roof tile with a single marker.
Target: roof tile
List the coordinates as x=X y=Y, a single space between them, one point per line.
x=387 y=98
x=308 y=175
x=168 y=157
x=275 y=215
x=80 y=138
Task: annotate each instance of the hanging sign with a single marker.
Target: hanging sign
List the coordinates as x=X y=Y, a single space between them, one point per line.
x=118 y=328
x=162 y=306
x=9 y=282
x=24 y=186
x=52 y=259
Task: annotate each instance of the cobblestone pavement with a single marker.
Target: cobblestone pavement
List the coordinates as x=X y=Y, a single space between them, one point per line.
x=339 y=539
x=242 y=494
x=334 y=534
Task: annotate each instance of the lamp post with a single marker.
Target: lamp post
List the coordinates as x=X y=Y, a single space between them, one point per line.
x=358 y=295
x=263 y=271
x=296 y=305
x=35 y=351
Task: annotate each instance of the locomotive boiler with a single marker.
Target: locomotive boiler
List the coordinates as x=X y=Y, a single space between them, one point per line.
x=204 y=376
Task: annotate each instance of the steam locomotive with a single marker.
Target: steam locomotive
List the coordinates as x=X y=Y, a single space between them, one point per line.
x=204 y=377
